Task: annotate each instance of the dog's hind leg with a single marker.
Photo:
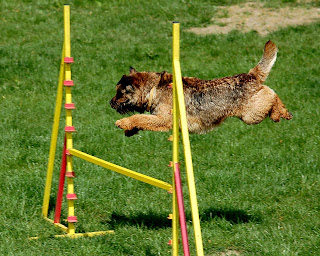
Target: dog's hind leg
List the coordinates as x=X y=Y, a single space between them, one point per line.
x=265 y=102
x=258 y=106
x=279 y=111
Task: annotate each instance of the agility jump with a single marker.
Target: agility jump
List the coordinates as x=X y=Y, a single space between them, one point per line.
x=67 y=172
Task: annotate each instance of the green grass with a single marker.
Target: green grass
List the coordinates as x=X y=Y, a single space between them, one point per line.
x=258 y=186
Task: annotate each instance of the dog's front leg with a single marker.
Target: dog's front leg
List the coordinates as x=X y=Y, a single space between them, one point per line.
x=134 y=123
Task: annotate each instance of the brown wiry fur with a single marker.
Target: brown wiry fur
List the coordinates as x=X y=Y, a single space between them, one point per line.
x=208 y=102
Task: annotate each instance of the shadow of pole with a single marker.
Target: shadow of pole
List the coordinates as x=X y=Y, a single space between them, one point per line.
x=152 y=220
x=234 y=216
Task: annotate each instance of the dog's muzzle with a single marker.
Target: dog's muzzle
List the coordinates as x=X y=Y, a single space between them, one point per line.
x=122 y=108
x=113 y=103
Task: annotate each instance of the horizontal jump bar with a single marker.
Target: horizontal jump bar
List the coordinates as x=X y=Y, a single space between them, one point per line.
x=121 y=170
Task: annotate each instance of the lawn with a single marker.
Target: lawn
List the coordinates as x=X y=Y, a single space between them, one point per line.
x=258 y=186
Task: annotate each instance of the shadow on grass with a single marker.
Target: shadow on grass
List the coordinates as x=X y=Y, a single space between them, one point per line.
x=52 y=205
x=233 y=216
x=154 y=220
x=149 y=220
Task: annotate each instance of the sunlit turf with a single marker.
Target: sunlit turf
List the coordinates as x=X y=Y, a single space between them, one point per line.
x=258 y=186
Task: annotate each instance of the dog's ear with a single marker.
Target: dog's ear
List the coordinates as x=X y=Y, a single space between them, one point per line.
x=132 y=70
x=125 y=81
x=165 y=78
x=131 y=81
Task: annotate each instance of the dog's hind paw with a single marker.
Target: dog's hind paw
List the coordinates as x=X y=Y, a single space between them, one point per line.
x=289 y=116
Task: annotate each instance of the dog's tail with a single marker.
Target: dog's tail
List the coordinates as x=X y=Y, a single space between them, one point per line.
x=262 y=70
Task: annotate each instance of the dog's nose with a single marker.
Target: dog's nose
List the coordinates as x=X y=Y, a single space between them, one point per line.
x=112 y=103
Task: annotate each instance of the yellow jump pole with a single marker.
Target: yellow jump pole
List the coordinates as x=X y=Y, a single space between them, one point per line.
x=71 y=196
x=54 y=137
x=185 y=138
x=121 y=170
x=175 y=159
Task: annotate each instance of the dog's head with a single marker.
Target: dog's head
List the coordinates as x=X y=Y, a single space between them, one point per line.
x=132 y=91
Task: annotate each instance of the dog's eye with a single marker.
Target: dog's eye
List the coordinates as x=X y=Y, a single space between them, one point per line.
x=129 y=88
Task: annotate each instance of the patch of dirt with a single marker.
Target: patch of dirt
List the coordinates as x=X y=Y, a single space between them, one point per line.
x=230 y=253
x=253 y=16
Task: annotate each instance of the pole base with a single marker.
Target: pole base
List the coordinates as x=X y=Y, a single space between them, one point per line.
x=76 y=235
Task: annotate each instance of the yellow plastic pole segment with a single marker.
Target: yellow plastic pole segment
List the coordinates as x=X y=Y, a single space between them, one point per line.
x=70 y=189
x=59 y=225
x=175 y=218
x=89 y=234
x=175 y=159
x=175 y=212
x=66 y=12
x=67 y=43
x=54 y=137
x=185 y=138
x=175 y=222
x=80 y=235
x=121 y=170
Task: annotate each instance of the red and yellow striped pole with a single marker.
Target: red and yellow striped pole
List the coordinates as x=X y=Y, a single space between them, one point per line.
x=68 y=83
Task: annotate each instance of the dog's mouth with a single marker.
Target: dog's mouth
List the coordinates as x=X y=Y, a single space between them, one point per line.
x=122 y=108
x=125 y=107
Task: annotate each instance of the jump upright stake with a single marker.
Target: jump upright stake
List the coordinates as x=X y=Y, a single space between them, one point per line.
x=68 y=83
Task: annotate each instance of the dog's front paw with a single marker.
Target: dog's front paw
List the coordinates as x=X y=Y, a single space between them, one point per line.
x=124 y=124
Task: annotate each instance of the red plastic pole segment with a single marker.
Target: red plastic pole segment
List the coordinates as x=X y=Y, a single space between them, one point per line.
x=182 y=216
x=57 y=212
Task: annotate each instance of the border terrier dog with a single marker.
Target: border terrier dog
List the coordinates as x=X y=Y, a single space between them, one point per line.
x=208 y=102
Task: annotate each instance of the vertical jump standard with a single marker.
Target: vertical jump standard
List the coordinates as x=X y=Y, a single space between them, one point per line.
x=67 y=172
